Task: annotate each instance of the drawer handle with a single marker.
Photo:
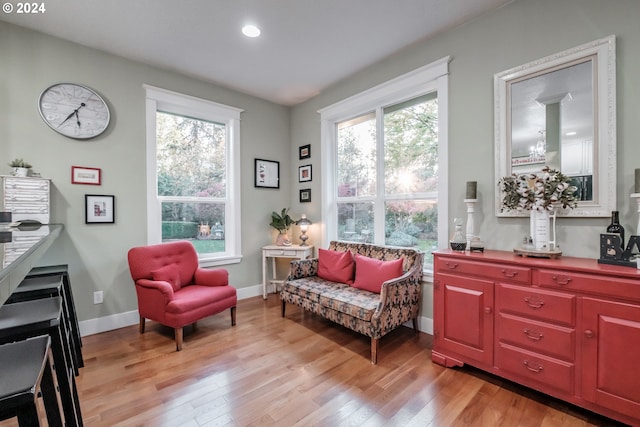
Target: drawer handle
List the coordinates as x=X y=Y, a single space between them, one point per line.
x=488 y=310
x=589 y=333
x=562 y=280
x=533 y=335
x=510 y=273
x=534 y=302
x=451 y=265
x=533 y=366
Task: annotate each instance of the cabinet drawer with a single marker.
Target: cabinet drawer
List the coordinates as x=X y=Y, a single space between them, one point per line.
x=492 y=271
x=540 y=337
x=536 y=303
x=291 y=253
x=537 y=370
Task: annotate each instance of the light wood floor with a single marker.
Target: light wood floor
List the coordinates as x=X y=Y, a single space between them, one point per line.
x=296 y=371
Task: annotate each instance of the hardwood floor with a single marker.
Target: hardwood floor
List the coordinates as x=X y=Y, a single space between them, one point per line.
x=298 y=371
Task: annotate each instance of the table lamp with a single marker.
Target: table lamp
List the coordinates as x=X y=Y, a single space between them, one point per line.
x=304 y=224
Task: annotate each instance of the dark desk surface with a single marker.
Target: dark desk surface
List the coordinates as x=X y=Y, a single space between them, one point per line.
x=20 y=254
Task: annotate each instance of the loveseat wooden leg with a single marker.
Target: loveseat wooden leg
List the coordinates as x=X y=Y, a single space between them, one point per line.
x=284 y=304
x=415 y=325
x=233 y=316
x=141 y=325
x=374 y=350
x=179 y=338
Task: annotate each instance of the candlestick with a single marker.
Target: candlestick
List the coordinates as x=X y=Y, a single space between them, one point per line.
x=636 y=196
x=472 y=188
x=637 y=186
x=471 y=204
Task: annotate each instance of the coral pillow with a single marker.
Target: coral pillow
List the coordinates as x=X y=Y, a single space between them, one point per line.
x=168 y=273
x=371 y=273
x=335 y=266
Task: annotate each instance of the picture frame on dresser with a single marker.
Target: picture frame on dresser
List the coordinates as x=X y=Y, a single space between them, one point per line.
x=99 y=209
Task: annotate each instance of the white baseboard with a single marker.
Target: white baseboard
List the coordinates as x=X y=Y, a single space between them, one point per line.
x=121 y=320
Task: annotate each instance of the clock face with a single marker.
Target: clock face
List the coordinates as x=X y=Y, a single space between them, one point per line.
x=74 y=110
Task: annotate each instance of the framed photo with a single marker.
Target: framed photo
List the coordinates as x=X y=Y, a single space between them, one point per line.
x=304 y=173
x=304 y=152
x=99 y=209
x=305 y=195
x=89 y=176
x=267 y=173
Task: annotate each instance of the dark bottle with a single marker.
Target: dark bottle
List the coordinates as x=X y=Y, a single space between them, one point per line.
x=615 y=227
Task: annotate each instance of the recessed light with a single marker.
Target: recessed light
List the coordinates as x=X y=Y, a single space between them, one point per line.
x=251 y=31
x=571 y=133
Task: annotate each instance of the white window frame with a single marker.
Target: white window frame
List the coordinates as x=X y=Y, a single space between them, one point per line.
x=433 y=77
x=185 y=105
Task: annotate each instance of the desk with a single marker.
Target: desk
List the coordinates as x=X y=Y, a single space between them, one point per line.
x=272 y=252
x=20 y=254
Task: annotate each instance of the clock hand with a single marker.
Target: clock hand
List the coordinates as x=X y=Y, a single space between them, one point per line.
x=74 y=112
x=77 y=118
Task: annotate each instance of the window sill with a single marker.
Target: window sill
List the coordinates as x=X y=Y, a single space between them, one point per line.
x=218 y=261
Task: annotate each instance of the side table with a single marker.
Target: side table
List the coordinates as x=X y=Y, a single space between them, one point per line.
x=272 y=252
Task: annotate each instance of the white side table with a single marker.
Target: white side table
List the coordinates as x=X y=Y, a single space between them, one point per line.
x=272 y=252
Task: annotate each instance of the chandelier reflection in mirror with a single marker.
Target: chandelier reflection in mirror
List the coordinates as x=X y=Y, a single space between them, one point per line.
x=537 y=152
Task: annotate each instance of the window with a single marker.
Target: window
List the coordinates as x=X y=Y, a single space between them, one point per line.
x=385 y=154
x=193 y=184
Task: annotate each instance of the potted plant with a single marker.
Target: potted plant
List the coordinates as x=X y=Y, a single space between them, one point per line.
x=281 y=222
x=20 y=167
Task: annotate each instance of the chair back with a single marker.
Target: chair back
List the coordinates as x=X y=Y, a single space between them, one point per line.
x=145 y=259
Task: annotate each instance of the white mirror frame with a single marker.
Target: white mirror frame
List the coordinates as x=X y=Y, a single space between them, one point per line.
x=604 y=126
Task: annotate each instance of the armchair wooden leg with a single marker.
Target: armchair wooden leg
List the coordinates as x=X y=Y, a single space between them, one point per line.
x=284 y=304
x=374 y=350
x=195 y=326
x=142 y=325
x=233 y=316
x=179 y=335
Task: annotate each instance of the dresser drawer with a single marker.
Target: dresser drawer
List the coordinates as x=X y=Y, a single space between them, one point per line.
x=535 y=369
x=536 y=303
x=25 y=184
x=545 y=338
x=492 y=271
x=590 y=283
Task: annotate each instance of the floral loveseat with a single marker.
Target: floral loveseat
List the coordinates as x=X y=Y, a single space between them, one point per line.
x=369 y=313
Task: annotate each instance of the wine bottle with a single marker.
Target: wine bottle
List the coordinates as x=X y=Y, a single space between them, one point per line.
x=616 y=227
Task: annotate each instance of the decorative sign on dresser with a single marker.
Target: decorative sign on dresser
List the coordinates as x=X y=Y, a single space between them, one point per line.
x=27 y=198
x=568 y=327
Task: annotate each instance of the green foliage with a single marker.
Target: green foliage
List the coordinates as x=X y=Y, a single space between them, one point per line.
x=281 y=221
x=172 y=230
x=19 y=163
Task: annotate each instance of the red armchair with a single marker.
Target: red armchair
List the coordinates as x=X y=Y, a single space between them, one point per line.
x=174 y=291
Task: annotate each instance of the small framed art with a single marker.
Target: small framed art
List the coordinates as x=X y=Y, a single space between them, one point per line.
x=304 y=173
x=305 y=195
x=267 y=173
x=304 y=152
x=88 y=176
x=99 y=209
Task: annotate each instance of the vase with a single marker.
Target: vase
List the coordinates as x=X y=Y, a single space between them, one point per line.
x=540 y=229
x=283 y=239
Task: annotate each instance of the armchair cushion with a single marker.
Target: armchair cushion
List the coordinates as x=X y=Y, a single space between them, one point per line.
x=208 y=277
x=372 y=273
x=169 y=273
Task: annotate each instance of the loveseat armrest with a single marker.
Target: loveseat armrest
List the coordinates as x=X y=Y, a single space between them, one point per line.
x=399 y=300
x=211 y=277
x=303 y=268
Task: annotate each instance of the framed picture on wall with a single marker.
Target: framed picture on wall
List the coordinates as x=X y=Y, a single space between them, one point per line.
x=83 y=175
x=99 y=209
x=304 y=173
x=267 y=173
x=304 y=152
x=305 y=195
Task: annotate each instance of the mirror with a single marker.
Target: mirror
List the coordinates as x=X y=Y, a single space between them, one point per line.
x=560 y=111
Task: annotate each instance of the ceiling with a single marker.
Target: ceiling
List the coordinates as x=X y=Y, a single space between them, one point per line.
x=305 y=46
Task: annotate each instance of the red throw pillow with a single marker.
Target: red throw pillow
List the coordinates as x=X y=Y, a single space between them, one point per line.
x=371 y=273
x=168 y=273
x=335 y=266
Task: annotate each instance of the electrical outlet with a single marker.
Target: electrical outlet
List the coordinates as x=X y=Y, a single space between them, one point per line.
x=98 y=297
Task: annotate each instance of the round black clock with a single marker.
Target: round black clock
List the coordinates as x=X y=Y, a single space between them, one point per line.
x=74 y=110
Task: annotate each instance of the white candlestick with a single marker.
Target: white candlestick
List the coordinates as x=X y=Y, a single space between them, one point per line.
x=637 y=197
x=471 y=208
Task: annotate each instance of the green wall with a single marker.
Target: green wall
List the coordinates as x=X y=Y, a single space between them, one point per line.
x=29 y=63
x=515 y=34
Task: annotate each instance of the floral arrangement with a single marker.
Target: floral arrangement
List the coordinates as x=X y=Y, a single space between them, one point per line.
x=542 y=191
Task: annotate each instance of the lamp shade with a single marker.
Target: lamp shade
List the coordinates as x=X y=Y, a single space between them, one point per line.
x=304 y=222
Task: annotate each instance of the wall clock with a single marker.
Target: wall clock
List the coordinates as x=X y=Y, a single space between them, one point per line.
x=74 y=110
